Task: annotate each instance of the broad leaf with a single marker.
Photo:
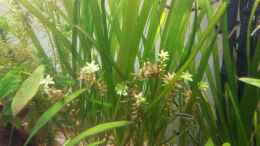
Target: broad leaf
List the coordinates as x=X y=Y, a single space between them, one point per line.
x=27 y=90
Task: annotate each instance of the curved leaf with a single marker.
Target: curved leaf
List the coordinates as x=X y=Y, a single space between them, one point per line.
x=51 y=112
x=27 y=90
x=96 y=130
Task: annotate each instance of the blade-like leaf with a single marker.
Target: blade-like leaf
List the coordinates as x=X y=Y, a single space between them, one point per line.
x=251 y=81
x=51 y=112
x=96 y=130
x=27 y=90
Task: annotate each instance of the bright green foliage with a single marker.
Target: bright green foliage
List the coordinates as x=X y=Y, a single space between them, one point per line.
x=230 y=112
x=139 y=44
x=141 y=61
x=9 y=83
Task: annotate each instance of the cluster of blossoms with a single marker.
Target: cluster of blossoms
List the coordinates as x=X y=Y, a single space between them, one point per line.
x=150 y=70
x=48 y=88
x=88 y=74
x=178 y=83
x=185 y=76
x=138 y=99
x=163 y=57
x=47 y=82
x=168 y=78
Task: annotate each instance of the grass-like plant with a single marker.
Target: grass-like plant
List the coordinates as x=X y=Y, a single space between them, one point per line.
x=234 y=118
x=142 y=61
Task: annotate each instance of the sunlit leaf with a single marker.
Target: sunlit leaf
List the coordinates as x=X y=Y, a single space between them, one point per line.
x=251 y=81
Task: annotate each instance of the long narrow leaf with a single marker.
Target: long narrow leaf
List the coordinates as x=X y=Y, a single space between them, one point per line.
x=96 y=130
x=50 y=113
x=251 y=81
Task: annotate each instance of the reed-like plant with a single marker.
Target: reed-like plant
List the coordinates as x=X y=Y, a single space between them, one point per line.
x=234 y=118
x=138 y=60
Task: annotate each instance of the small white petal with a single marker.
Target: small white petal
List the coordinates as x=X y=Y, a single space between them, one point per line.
x=186 y=76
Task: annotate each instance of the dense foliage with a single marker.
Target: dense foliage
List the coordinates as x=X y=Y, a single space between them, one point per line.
x=126 y=73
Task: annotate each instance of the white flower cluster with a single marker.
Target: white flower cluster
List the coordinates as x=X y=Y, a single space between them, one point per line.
x=163 y=56
x=91 y=67
x=140 y=99
x=169 y=78
x=89 y=70
x=46 y=82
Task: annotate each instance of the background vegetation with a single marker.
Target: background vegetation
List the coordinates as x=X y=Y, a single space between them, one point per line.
x=121 y=72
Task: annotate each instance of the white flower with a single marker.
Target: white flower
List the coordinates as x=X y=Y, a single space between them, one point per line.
x=164 y=55
x=91 y=67
x=169 y=77
x=186 y=76
x=121 y=89
x=47 y=81
x=203 y=86
x=140 y=99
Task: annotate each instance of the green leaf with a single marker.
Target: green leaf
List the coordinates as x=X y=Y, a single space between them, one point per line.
x=226 y=144
x=27 y=90
x=51 y=112
x=96 y=130
x=251 y=81
x=9 y=83
x=209 y=143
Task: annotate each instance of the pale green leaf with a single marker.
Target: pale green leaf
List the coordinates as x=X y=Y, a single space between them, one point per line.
x=251 y=81
x=27 y=90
